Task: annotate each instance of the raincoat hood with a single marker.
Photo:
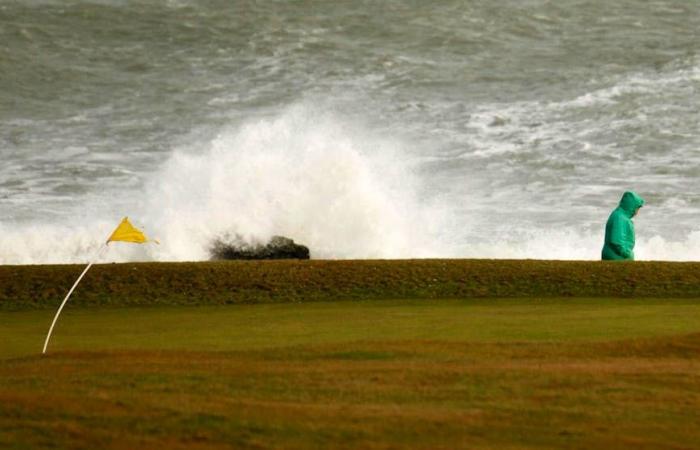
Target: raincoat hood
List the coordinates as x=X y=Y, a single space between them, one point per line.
x=630 y=203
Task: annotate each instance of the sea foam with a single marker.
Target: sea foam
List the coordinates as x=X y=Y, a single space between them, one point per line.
x=305 y=175
x=311 y=175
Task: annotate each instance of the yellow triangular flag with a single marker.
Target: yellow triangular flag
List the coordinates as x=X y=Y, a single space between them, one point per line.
x=126 y=232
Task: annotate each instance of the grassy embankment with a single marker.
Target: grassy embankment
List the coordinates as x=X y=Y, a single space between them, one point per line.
x=218 y=283
x=453 y=372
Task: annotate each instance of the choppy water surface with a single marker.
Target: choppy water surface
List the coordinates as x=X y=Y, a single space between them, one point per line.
x=363 y=129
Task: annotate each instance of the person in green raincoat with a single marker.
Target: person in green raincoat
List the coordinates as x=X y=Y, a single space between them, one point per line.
x=619 y=230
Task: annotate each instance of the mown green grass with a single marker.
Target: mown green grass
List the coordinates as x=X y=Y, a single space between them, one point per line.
x=494 y=373
x=253 y=327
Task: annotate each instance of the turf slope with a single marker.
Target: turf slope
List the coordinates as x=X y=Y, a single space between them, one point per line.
x=471 y=373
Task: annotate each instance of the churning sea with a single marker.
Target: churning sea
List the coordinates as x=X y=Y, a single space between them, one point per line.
x=363 y=129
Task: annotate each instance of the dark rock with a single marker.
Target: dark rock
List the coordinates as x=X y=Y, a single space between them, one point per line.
x=279 y=247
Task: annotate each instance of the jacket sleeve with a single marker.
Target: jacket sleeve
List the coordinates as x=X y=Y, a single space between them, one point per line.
x=622 y=237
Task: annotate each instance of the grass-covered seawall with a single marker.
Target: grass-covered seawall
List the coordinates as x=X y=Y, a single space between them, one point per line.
x=231 y=282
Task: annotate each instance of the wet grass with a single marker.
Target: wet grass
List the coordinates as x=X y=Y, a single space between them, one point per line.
x=484 y=373
x=238 y=282
x=253 y=327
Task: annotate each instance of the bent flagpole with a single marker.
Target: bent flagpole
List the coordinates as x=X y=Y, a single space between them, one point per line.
x=124 y=232
x=65 y=300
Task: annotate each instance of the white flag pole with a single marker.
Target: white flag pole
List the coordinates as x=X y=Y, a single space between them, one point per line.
x=60 y=308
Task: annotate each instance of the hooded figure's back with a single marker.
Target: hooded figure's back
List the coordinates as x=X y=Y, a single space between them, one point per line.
x=619 y=230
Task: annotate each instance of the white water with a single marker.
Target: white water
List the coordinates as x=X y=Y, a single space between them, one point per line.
x=305 y=175
x=310 y=176
x=459 y=130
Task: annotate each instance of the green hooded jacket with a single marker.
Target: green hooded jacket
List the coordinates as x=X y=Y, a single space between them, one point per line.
x=619 y=230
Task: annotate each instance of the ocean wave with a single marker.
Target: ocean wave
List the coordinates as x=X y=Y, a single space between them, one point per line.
x=338 y=188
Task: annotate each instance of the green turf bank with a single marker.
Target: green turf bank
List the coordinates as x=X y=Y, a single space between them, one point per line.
x=231 y=282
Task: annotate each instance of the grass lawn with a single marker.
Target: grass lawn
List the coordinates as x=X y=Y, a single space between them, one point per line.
x=512 y=373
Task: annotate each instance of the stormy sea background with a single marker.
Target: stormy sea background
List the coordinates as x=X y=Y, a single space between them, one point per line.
x=363 y=129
